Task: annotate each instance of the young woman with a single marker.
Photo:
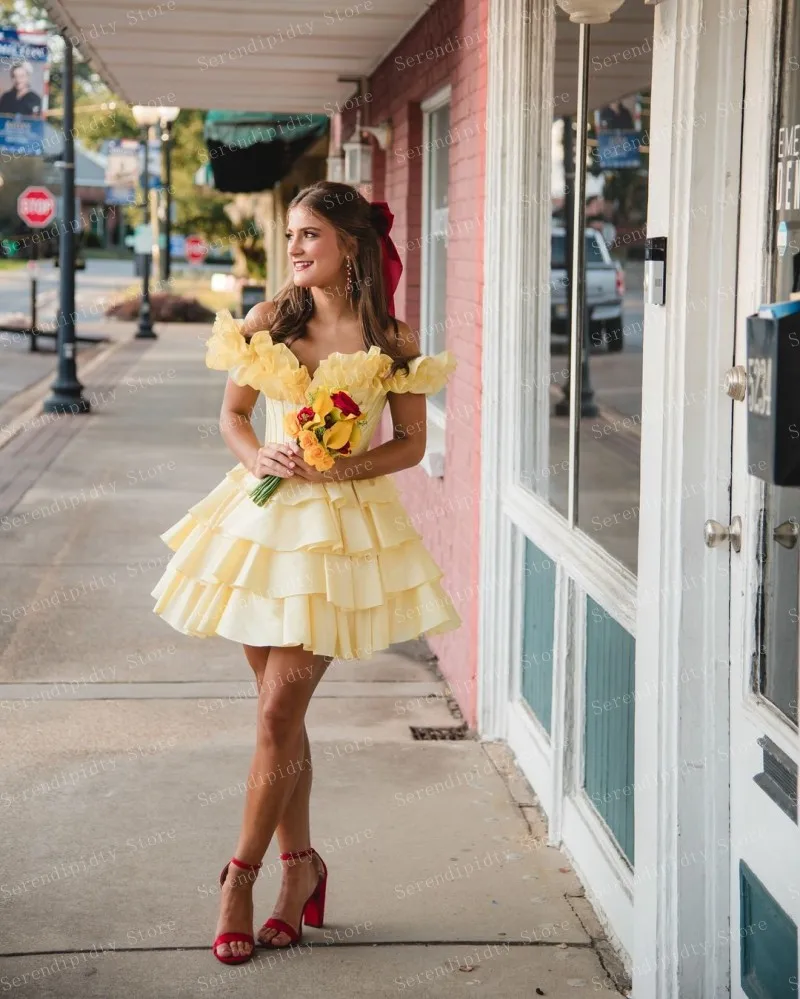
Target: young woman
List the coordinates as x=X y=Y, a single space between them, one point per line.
x=331 y=566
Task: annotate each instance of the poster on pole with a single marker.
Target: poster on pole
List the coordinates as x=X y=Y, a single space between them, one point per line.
x=24 y=80
x=122 y=171
x=153 y=164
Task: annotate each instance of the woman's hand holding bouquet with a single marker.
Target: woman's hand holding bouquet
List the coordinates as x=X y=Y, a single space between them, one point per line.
x=330 y=426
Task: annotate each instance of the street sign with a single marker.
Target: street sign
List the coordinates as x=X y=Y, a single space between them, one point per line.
x=143 y=239
x=196 y=249
x=36 y=206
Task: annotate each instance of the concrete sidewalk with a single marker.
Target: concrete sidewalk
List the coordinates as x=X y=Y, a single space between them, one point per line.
x=126 y=746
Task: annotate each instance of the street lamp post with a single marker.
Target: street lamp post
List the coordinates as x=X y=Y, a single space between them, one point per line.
x=168 y=116
x=145 y=116
x=67 y=391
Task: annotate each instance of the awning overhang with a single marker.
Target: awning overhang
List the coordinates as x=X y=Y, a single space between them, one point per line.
x=251 y=151
x=240 y=55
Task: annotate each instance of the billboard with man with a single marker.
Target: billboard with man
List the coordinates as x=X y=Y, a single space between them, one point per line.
x=24 y=66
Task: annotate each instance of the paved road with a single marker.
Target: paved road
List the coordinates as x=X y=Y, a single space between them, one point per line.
x=616 y=378
x=95 y=287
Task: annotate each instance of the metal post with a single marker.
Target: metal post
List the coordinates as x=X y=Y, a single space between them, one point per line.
x=166 y=260
x=66 y=396
x=568 y=149
x=34 y=345
x=588 y=406
x=578 y=307
x=145 y=330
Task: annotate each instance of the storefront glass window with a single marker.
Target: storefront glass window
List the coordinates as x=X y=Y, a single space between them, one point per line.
x=436 y=124
x=607 y=482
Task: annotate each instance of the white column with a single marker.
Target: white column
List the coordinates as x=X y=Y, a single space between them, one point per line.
x=517 y=212
x=681 y=894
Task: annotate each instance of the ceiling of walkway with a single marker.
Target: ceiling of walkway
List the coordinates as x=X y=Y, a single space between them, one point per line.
x=240 y=55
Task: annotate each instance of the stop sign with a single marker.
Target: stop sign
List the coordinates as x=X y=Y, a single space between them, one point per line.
x=36 y=206
x=196 y=249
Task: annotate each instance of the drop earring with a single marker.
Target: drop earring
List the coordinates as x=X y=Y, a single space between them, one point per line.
x=349 y=283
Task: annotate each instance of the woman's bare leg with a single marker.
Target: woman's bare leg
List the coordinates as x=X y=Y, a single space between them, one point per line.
x=294 y=830
x=288 y=680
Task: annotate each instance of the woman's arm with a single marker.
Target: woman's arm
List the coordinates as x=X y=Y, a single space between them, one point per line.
x=404 y=450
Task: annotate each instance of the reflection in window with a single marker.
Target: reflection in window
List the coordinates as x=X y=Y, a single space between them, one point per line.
x=612 y=327
x=436 y=171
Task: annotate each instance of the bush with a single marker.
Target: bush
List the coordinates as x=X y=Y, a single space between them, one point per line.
x=164 y=308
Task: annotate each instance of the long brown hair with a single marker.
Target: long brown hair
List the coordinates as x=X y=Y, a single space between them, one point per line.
x=355 y=222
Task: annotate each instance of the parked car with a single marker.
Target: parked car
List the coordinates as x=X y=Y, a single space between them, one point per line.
x=605 y=290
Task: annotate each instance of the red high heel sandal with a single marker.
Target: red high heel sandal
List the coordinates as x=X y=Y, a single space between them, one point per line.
x=236 y=936
x=313 y=913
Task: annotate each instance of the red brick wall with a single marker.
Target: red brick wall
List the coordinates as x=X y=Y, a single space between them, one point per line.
x=448 y=508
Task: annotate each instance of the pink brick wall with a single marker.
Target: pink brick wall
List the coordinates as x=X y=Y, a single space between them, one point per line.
x=448 y=508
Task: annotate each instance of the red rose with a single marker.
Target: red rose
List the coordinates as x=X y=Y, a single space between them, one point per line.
x=345 y=404
x=305 y=415
x=345 y=449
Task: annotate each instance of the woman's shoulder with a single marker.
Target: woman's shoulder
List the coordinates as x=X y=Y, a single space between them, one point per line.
x=260 y=317
x=403 y=339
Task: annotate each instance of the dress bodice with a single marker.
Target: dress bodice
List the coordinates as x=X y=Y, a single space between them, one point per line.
x=274 y=370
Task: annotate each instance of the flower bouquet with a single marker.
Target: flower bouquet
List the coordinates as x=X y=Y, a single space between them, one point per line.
x=328 y=427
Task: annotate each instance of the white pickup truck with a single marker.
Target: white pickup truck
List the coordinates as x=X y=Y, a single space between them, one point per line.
x=605 y=290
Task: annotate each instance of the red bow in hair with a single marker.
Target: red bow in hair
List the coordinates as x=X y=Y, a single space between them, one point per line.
x=383 y=219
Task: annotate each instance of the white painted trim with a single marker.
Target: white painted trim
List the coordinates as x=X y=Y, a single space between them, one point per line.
x=561 y=718
x=433 y=459
x=533 y=752
x=682 y=801
x=517 y=61
x=597 y=572
x=609 y=880
x=438 y=99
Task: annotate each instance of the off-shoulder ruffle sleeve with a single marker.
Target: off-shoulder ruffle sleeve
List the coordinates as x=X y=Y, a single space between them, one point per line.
x=426 y=374
x=361 y=374
x=268 y=367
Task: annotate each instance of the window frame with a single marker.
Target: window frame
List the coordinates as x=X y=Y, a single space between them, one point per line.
x=434 y=458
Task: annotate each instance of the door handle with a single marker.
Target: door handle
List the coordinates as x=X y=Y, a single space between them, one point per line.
x=716 y=534
x=735 y=383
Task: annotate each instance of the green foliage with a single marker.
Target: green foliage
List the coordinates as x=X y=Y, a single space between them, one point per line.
x=101 y=115
x=199 y=210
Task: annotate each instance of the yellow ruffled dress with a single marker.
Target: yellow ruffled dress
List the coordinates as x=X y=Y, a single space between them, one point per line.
x=337 y=568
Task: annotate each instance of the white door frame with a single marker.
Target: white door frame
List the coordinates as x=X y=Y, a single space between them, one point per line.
x=682 y=807
x=760 y=835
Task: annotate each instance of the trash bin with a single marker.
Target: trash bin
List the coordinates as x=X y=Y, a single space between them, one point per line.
x=252 y=294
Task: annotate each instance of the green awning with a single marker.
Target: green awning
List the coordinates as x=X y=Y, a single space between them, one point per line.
x=251 y=151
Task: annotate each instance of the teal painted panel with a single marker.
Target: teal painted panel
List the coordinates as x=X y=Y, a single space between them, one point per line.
x=768 y=941
x=609 y=722
x=538 y=628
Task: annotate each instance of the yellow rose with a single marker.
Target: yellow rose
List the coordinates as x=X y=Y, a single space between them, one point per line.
x=325 y=462
x=314 y=456
x=306 y=439
x=337 y=435
x=291 y=425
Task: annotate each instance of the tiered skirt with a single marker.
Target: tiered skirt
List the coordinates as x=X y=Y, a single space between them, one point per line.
x=338 y=569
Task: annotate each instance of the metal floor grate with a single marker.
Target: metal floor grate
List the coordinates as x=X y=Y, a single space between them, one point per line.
x=449 y=733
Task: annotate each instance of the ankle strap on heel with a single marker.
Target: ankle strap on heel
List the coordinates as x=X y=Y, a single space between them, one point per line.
x=253 y=868
x=245 y=867
x=298 y=854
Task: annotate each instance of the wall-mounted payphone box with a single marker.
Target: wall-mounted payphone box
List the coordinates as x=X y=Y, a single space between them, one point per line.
x=773 y=394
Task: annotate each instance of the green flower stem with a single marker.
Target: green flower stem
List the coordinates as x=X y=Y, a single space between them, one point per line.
x=265 y=489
